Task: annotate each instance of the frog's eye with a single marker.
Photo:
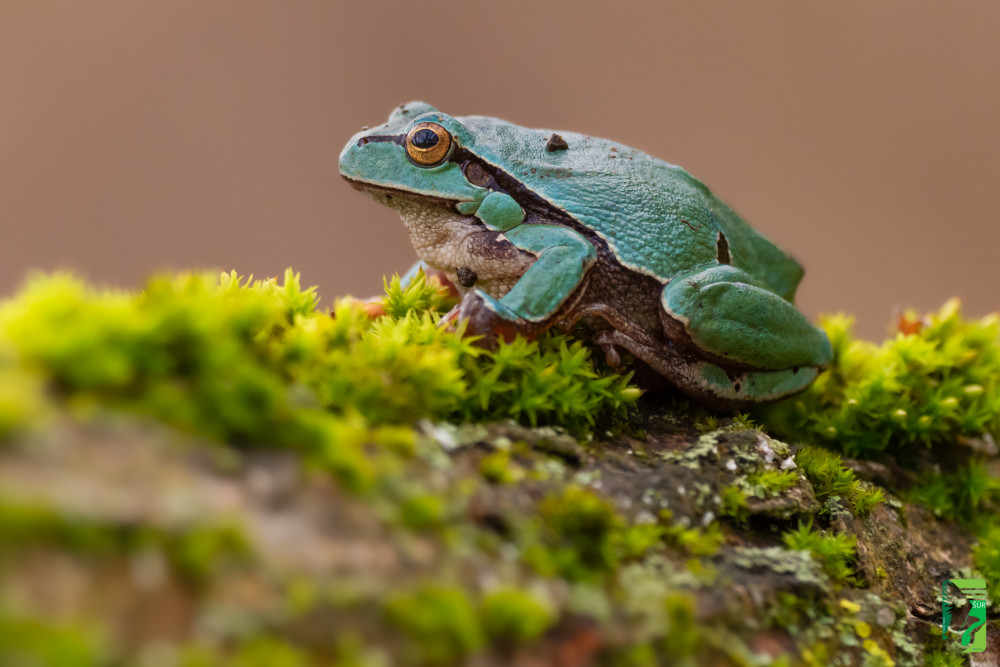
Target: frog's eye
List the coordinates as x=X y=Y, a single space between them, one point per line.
x=428 y=144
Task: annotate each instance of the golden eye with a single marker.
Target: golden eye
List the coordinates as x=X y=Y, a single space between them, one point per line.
x=428 y=144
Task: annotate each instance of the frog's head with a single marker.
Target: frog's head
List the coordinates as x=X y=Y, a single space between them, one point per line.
x=415 y=155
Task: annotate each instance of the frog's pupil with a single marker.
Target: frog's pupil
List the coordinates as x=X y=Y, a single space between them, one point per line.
x=425 y=138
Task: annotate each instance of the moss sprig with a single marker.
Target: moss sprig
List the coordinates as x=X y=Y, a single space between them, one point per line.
x=935 y=381
x=245 y=360
x=834 y=552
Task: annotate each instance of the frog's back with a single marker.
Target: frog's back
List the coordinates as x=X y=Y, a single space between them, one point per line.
x=657 y=218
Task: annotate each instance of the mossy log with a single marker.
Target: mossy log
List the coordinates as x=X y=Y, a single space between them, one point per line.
x=309 y=528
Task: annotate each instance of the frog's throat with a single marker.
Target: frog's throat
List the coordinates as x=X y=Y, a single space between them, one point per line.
x=367 y=186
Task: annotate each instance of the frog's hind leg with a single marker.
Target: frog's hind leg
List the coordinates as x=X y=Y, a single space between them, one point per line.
x=704 y=380
x=720 y=312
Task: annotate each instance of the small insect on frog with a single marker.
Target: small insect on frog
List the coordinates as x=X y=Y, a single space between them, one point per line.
x=538 y=228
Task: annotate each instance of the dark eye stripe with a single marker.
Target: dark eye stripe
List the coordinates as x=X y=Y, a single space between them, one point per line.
x=389 y=138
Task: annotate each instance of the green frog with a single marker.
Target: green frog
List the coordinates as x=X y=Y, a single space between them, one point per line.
x=538 y=228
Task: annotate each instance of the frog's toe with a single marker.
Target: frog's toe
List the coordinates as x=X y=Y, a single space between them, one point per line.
x=611 y=356
x=486 y=317
x=449 y=319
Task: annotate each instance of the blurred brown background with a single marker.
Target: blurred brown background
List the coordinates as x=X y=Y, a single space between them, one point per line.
x=863 y=137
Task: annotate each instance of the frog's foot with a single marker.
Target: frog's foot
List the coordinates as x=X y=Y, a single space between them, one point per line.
x=705 y=381
x=492 y=320
x=449 y=319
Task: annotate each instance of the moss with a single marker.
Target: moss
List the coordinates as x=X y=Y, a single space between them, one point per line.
x=692 y=540
x=835 y=553
x=932 y=392
x=441 y=624
x=245 y=360
x=257 y=652
x=826 y=472
x=742 y=421
x=22 y=400
x=986 y=556
x=943 y=659
x=498 y=468
x=27 y=640
x=683 y=636
x=770 y=483
x=965 y=493
x=734 y=502
x=511 y=616
x=607 y=551
x=940 y=383
x=578 y=531
x=195 y=551
x=422 y=511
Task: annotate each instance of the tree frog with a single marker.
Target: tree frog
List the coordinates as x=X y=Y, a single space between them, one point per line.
x=539 y=228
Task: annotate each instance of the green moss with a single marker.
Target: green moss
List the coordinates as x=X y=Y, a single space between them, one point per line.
x=825 y=470
x=768 y=483
x=692 y=540
x=578 y=531
x=928 y=395
x=420 y=296
x=960 y=493
x=372 y=394
x=26 y=641
x=742 y=421
x=579 y=535
x=939 y=384
x=22 y=401
x=683 y=636
x=245 y=361
x=441 y=624
x=637 y=655
x=708 y=424
x=986 y=556
x=256 y=652
x=498 y=468
x=734 y=502
x=195 y=551
x=835 y=553
x=944 y=659
x=550 y=381
x=511 y=616
x=422 y=511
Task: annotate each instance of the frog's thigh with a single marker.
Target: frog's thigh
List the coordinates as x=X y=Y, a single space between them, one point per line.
x=563 y=257
x=730 y=318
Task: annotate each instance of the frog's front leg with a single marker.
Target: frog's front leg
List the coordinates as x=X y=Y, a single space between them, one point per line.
x=726 y=318
x=563 y=258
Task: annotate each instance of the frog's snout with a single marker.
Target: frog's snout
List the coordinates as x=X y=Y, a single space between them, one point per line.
x=350 y=157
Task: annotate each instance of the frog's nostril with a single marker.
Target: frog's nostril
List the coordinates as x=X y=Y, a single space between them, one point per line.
x=362 y=141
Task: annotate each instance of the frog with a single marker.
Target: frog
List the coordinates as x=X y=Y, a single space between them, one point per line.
x=540 y=228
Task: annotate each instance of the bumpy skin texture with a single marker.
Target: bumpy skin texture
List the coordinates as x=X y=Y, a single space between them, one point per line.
x=537 y=231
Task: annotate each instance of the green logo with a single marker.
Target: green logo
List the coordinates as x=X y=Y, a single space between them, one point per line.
x=973 y=619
